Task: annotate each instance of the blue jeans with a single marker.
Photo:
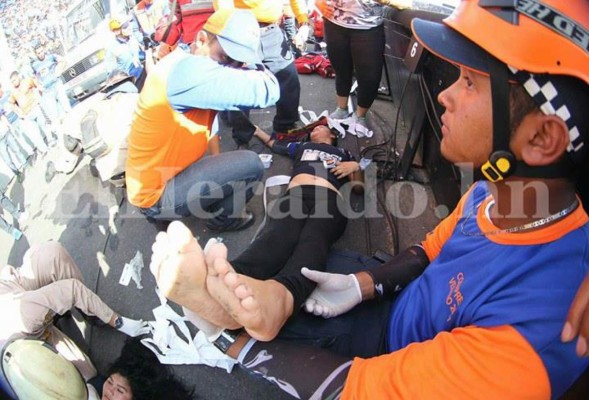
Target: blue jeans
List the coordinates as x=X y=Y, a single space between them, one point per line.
x=213 y=186
x=276 y=56
x=12 y=208
x=10 y=152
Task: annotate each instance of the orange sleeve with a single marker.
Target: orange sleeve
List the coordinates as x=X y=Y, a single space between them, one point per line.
x=434 y=241
x=299 y=8
x=467 y=363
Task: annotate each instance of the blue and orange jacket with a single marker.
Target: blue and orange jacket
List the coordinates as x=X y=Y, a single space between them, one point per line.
x=484 y=319
x=175 y=113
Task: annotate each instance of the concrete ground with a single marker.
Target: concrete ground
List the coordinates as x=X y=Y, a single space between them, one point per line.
x=77 y=209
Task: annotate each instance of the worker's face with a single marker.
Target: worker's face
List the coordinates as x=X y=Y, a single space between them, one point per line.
x=208 y=45
x=321 y=134
x=40 y=53
x=117 y=387
x=467 y=127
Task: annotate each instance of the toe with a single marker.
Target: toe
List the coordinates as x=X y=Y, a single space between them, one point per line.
x=181 y=238
x=214 y=251
x=220 y=267
x=242 y=291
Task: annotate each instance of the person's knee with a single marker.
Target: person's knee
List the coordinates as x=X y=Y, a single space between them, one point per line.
x=50 y=249
x=251 y=165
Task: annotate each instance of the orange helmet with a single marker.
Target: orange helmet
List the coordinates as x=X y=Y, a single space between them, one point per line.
x=538 y=36
x=540 y=43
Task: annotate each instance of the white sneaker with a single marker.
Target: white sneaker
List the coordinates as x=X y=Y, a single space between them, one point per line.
x=339 y=113
x=361 y=127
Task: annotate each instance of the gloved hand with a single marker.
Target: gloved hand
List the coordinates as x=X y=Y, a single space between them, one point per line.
x=301 y=37
x=134 y=327
x=335 y=294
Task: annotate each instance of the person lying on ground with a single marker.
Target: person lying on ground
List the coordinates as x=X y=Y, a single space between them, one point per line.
x=138 y=375
x=49 y=283
x=302 y=226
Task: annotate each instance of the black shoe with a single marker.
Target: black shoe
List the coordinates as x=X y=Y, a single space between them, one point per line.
x=231 y=224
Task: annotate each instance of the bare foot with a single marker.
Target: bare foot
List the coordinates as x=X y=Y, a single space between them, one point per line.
x=178 y=264
x=262 y=307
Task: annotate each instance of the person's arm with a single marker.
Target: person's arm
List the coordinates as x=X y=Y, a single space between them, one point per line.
x=299 y=9
x=467 y=362
x=577 y=321
x=15 y=106
x=325 y=7
x=336 y=294
x=302 y=371
x=214 y=146
x=218 y=87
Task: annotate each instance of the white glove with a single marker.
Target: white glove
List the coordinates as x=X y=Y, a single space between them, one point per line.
x=335 y=294
x=134 y=327
x=301 y=37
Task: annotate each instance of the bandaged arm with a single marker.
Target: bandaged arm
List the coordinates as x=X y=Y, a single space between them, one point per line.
x=392 y=276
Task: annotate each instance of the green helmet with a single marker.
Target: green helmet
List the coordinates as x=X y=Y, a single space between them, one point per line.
x=36 y=371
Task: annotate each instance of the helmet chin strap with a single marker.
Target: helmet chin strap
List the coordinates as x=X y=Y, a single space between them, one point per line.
x=502 y=162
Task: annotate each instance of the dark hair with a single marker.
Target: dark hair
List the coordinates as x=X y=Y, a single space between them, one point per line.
x=334 y=138
x=149 y=380
x=520 y=105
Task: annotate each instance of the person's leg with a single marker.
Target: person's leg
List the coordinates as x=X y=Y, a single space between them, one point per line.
x=367 y=48
x=15 y=150
x=241 y=127
x=9 y=205
x=278 y=58
x=302 y=371
x=337 y=39
x=323 y=227
x=26 y=144
x=37 y=114
x=50 y=106
x=262 y=307
x=9 y=228
x=270 y=251
x=218 y=186
x=6 y=156
x=33 y=133
x=62 y=99
x=70 y=351
x=46 y=263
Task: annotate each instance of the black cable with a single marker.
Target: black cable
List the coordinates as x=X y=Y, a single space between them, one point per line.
x=430 y=107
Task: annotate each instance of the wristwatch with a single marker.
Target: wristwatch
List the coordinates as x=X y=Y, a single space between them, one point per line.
x=119 y=322
x=226 y=339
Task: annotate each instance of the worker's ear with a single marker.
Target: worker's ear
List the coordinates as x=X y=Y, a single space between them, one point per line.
x=200 y=40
